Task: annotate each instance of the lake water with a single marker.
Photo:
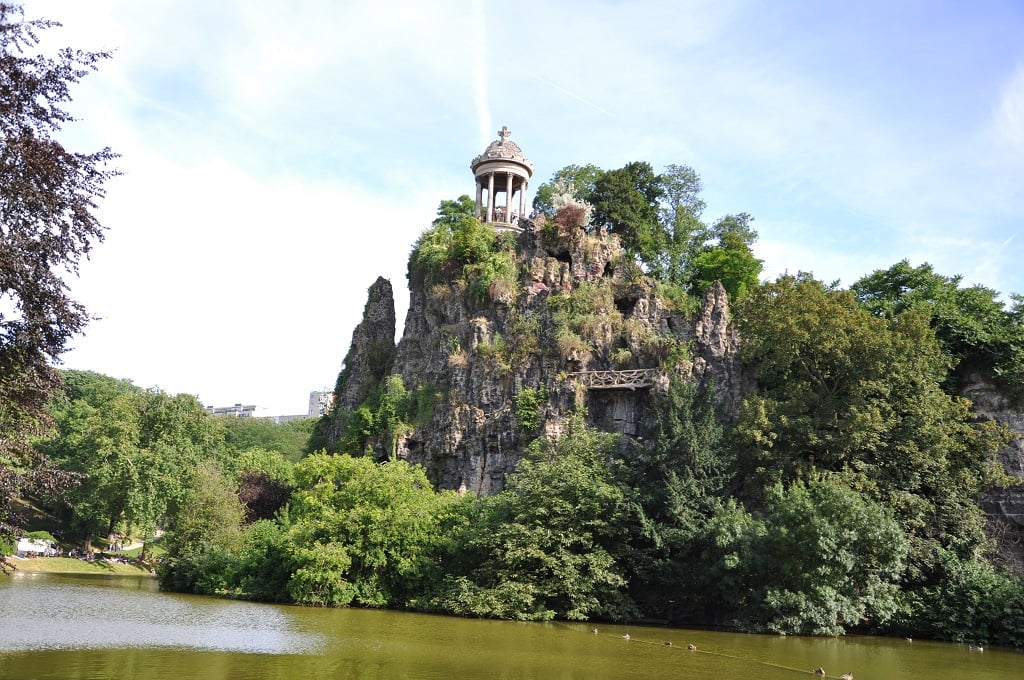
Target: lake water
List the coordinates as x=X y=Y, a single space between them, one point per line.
x=76 y=627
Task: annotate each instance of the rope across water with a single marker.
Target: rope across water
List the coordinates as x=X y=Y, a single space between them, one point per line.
x=692 y=649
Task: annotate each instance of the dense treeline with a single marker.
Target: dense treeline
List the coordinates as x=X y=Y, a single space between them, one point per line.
x=138 y=456
x=666 y=532
x=843 y=498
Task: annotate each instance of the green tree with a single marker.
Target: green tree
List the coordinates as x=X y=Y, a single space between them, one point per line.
x=1010 y=369
x=382 y=419
x=680 y=188
x=204 y=535
x=575 y=180
x=685 y=234
x=290 y=438
x=545 y=547
x=626 y=202
x=458 y=248
x=972 y=324
x=970 y=602
x=734 y=231
x=98 y=427
x=824 y=558
x=363 y=532
x=262 y=568
x=131 y=448
x=48 y=198
x=860 y=396
x=435 y=258
x=731 y=261
x=394 y=404
x=658 y=219
x=679 y=473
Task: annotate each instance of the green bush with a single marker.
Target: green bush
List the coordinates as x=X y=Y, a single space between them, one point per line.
x=530 y=404
x=515 y=600
x=524 y=333
x=264 y=564
x=496 y=350
x=677 y=298
x=823 y=559
x=385 y=416
x=570 y=345
x=320 y=580
x=433 y=259
x=971 y=603
x=621 y=357
x=459 y=248
x=202 y=569
x=542 y=548
x=364 y=533
x=482 y=274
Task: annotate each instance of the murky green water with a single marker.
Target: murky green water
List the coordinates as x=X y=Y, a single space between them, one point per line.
x=74 y=627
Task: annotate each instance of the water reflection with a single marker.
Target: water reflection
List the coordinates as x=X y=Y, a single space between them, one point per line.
x=75 y=627
x=119 y=612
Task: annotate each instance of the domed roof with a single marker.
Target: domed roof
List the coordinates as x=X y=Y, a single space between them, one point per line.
x=503 y=149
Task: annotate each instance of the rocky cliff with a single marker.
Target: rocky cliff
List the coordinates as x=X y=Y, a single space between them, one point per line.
x=368 y=360
x=1004 y=507
x=581 y=328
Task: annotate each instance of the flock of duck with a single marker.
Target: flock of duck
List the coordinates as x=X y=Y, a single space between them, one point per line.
x=817 y=671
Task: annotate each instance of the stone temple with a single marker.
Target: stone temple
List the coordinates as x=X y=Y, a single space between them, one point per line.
x=501 y=169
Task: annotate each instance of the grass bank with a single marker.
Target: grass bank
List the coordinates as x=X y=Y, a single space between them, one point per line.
x=66 y=565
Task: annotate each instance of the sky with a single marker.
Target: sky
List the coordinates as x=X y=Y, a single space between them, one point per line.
x=278 y=157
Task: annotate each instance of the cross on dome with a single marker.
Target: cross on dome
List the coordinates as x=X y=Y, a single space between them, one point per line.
x=504 y=133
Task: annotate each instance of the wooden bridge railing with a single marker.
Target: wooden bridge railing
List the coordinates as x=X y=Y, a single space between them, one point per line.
x=617 y=380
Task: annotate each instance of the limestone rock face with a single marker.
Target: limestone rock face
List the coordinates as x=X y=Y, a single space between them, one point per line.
x=1004 y=507
x=716 y=344
x=577 y=307
x=369 y=358
x=373 y=347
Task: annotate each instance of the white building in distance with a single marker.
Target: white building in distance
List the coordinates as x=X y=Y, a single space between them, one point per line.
x=319 y=404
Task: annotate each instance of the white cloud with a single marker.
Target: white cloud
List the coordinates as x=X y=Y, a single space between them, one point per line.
x=1008 y=123
x=233 y=281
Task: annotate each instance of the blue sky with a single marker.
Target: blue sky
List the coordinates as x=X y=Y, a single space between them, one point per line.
x=278 y=157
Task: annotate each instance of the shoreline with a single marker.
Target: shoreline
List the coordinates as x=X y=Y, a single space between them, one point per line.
x=67 y=565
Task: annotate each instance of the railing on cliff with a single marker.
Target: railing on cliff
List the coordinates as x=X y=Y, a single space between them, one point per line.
x=617 y=380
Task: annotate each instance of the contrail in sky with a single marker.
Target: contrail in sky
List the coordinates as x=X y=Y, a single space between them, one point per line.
x=478 y=31
x=570 y=93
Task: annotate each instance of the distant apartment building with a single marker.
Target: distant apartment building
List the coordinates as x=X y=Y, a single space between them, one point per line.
x=319 y=404
x=238 y=410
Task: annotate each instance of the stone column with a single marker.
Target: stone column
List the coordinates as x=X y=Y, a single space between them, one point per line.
x=479 y=193
x=490 y=197
x=508 y=199
x=522 y=198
